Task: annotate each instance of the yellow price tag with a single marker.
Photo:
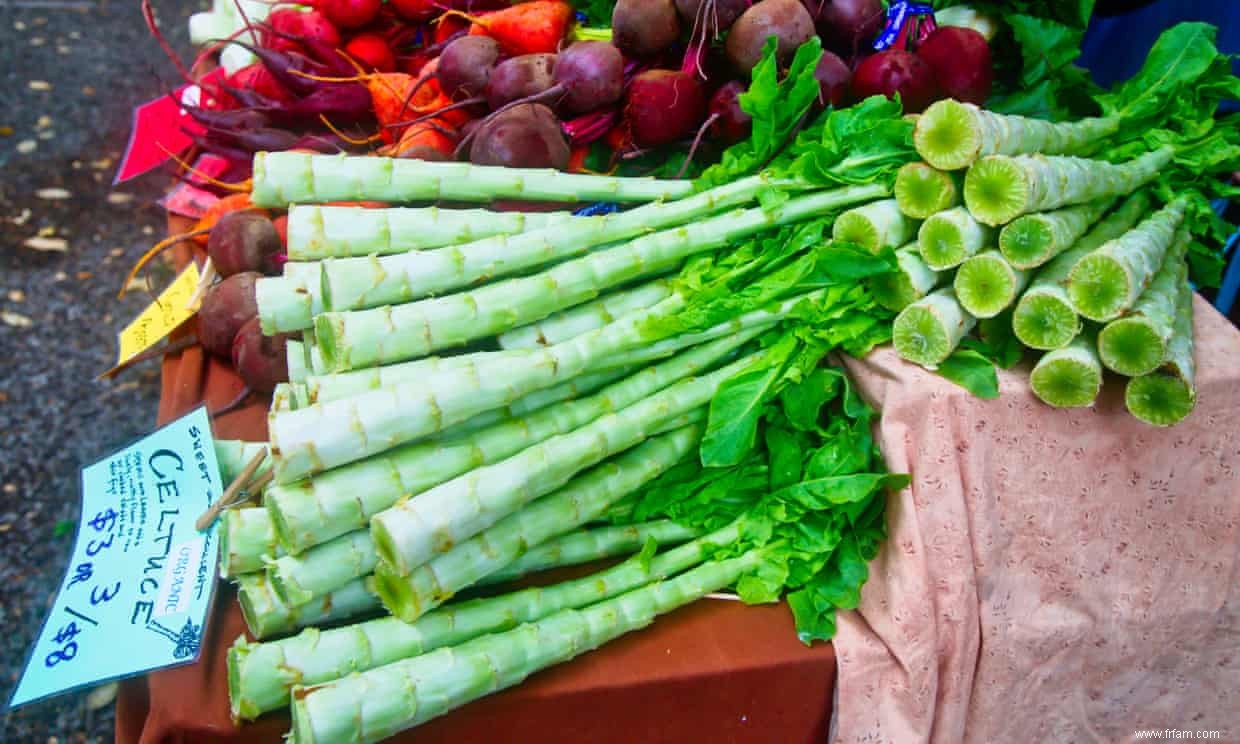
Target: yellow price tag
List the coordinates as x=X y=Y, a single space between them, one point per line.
x=161 y=317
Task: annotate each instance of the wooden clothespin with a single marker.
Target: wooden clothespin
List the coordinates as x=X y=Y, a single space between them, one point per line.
x=241 y=490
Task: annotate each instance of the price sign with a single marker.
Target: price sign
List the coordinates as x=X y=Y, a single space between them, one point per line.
x=141 y=578
x=159 y=318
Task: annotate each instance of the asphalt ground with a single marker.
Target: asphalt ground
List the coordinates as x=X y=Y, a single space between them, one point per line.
x=70 y=73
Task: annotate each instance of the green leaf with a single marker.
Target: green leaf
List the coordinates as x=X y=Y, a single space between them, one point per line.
x=802 y=403
x=997 y=342
x=732 y=425
x=784 y=449
x=598 y=12
x=1045 y=45
x=1181 y=55
x=865 y=143
x=971 y=371
x=821 y=493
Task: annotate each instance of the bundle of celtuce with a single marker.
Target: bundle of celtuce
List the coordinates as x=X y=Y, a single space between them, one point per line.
x=603 y=377
x=1055 y=246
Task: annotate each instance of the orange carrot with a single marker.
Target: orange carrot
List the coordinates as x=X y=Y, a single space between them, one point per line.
x=425 y=141
x=230 y=203
x=536 y=27
x=447 y=26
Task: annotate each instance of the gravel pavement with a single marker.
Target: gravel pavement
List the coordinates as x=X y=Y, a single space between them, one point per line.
x=70 y=73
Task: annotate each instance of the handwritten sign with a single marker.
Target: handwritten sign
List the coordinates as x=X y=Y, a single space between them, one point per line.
x=161 y=317
x=141 y=578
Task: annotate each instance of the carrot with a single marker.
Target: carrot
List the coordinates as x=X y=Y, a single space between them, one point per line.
x=230 y=203
x=577 y=159
x=423 y=140
x=448 y=26
x=535 y=27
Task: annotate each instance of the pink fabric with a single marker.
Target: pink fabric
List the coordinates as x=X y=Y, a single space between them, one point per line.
x=1050 y=576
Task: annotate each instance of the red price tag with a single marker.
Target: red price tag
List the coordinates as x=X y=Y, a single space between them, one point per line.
x=160 y=127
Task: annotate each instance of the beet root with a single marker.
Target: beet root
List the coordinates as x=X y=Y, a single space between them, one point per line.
x=228 y=305
x=243 y=241
x=644 y=28
x=520 y=77
x=847 y=26
x=834 y=79
x=465 y=66
x=896 y=71
x=663 y=106
x=591 y=74
x=787 y=20
x=712 y=17
x=260 y=360
x=728 y=120
x=525 y=136
x=961 y=62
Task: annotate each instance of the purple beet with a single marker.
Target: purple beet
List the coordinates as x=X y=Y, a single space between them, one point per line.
x=465 y=66
x=524 y=136
x=262 y=361
x=228 y=305
x=787 y=20
x=663 y=106
x=243 y=242
x=644 y=28
x=520 y=77
x=834 y=79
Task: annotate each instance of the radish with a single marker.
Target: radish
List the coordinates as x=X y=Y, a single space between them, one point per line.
x=371 y=51
x=644 y=28
x=663 y=106
x=787 y=20
x=350 y=14
x=297 y=25
x=847 y=26
x=227 y=306
x=895 y=71
x=833 y=78
x=418 y=11
x=524 y=136
x=465 y=66
x=961 y=62
x=262 y=361
x=243 y=241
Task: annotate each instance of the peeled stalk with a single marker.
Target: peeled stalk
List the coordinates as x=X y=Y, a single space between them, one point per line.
x=266 y=616
x=927 y=331
x=1070 y=377
x=948 y=238
x=392 y=334
x=323 y=388
x=951 y=135
x=313 y=353
x=987 y=284
x=284 y=178
x=1109 y=280
x=289 y=303
x=414 y=531
x=377 y=703
x=1044 y=317
x=597 y=543
x=586 y=317
x=317 y=232
x=232 y=455
x=298 y=363
x=1136 y=344
x=911 y=280
x=875 y=226
x=246 y=538
x=999 y=188
x=282 y=398
x=296 y=580
x=922 y=190
x=429 y=585
x=1166 y=397
x=342 y=500
x=373 y=281
x=1034 y=239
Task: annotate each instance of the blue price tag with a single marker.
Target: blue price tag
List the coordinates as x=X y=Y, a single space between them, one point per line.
x=141 y=578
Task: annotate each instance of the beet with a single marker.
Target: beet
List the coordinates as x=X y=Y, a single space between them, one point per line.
x=663 y=106
x=895 y=71
x=644 y=28
x=228 y=305
x=961 y=63
x=243 y=241
x=520 y=77
x=261 y=360
x=372 y=52
x=833 y=78
x=712 y=16
x=350 y=14
x=591 y=76
x=465 y=66
x=730 y=122
x=290 y=24
x=525 y=136
x=847 y=26
x=787 y=20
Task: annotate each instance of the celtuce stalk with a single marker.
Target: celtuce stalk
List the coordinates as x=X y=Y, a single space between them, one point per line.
x=232 y=455
x=266 y=616
x=318 y=232
x=911 y=280
x=318 y=365
x=284 y=178
x=875 y=226
x=1136 y=344
x=583 y=499
x=246 y=538
x=282 y=397
x=1166 y=397
x=998 y=188
x=356 y=283
x=414 y=531
x=336 y=386
x=951 y=134
x=324 y=568
x=392 y=334
x=1108 y=281
x=298 y=363
x=597 y=543
x=377 y=703
x=948 y=238
x=922 y=190
x=586 y=316
x=1034 y=239
x=987 y=284
x=1070 y=377
x=289 y=303
x=262 y=675
x=342 y=500
x=927 y=331
x=1044 y=317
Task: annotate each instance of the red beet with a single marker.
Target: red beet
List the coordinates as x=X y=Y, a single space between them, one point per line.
x=243 y=241
x=520 y=77
x=644 y=28
x=663 y=106
x=227 y=306
x=465 y=65
x=960 y=60
x=525 y=136
x=833 y=78
x=311 y=24
x=847 y=26
x=415 y=10
x=896 y=71
x=729 y=120
x=372 y=52
x=350 y=13
x=261 y=360
x=786 y=20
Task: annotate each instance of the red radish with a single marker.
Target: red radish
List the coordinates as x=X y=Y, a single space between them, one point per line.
x=261 y=360
x=663 y=106
x=847 y=26
x=895 y=71
x=418 y=11
x=465 y=66
x=727 y=118
x=961 y=62
x=349 y=14
x=524 y=136
x=228 y=305
x=787 y=20
x=243 y=241
x=520 y=77
x=644 y=28
x=526 y=28
x=833 y=78
x=371 y=51
x=256 y=78
x=310 y=24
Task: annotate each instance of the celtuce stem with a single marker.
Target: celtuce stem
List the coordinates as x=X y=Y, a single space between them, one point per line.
x=875 y=226
x=266 y=616
x=922 y=190
x=911 y=280
x=1167 y=396
x=927 y=331
x=948 y=238
x=586 y=316
x=1034 y=239
x=247 y=538
x=1136 y=344
x=289 y=303
x=1070 y=377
